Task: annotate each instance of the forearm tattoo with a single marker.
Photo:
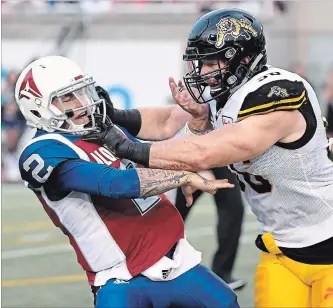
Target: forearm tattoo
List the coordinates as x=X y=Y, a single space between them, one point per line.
x=154 y=182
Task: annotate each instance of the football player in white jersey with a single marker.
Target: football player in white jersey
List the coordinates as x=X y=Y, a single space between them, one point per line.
x=267 y=126
x=126 y=234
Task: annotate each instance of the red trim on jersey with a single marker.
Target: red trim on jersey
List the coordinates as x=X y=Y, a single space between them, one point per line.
x=98 y=153
x=144 y=238
x=91 y=277
x=138 y=236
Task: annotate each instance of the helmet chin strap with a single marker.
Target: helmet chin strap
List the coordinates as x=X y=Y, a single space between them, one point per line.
x=75 y=127
x=81 y=129
x=249 y=73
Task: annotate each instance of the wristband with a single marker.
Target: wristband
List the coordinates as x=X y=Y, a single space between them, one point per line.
x=129 y=119
x=135 y=151
x=186 y=131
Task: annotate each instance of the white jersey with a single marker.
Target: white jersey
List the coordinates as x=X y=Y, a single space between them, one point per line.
x=290 y=186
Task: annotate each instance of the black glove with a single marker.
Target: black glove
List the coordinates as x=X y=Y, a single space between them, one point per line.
x=108 y=134
x=117 y=142
x=129 y=119
x=109 y=109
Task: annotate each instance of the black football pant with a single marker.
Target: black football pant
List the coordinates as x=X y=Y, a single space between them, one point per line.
x=230 y=211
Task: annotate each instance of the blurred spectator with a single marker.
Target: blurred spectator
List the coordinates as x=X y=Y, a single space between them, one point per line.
x=13 y=125
x=328 y=98
x=23 y=6
x=280 y=6
x=96 y=6
x=9 y=85
x=205 y=7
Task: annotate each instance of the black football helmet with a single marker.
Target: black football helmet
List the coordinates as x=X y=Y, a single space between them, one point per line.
x=227 y=35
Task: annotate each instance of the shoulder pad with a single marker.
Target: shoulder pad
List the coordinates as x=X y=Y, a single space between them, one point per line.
x=282 y=94
x=39 y=158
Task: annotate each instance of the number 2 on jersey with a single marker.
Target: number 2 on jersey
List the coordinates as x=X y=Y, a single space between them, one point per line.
x=256 y=182
x=37 y=166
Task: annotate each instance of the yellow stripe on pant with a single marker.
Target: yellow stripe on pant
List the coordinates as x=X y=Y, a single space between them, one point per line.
x=283 y=282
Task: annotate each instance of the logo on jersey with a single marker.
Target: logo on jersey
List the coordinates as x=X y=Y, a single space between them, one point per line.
x=235 y=28
x=120 y=281
x=277 y=91
x=166 y=273
x=28 y=87
x=227 y=120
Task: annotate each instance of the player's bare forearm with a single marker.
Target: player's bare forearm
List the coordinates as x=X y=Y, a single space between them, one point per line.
x=196 y=153
x=160 y=123
x=233 y=143
x=183 y=153
x=154 y=181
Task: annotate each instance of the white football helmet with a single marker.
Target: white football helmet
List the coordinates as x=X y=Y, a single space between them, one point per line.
x=53 y=77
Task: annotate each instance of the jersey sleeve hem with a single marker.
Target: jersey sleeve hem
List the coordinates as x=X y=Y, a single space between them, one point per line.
x=280 y=105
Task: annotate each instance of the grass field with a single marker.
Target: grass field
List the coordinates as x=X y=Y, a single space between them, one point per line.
x=39 y=268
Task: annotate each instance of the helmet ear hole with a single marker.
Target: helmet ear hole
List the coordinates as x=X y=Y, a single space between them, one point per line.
x=241 y=71
x=36 y=113
x=212 y=38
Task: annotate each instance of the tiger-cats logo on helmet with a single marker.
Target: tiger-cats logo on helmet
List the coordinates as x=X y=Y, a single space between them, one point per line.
x=235 y=28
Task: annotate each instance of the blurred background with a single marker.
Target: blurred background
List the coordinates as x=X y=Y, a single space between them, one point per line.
x=131 y=47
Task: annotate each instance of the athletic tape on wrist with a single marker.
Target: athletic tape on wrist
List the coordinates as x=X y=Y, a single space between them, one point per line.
x=185 y=131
